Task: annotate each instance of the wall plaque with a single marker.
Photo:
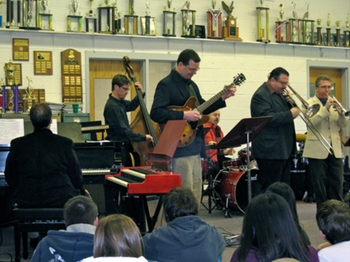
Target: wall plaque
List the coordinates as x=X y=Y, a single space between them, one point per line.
x=42 y=62
x=20 y=49
x=71 y=76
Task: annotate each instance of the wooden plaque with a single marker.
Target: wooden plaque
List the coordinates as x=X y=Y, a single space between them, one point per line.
x=18 y=75
x=42 y=62
x=20 y=49
x=71 y=76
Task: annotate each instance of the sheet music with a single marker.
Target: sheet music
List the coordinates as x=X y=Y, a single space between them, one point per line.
x=53 y=126
x=10 y=129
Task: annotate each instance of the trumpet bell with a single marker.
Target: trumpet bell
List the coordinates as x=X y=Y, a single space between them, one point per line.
x=312 y=110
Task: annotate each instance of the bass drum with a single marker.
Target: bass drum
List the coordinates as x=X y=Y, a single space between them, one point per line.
x=231 y=188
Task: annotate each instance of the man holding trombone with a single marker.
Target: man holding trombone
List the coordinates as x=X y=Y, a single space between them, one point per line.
x=274 y=145
x=326 y=169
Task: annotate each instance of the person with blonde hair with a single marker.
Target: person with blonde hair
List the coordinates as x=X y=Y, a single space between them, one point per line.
x=117 y=238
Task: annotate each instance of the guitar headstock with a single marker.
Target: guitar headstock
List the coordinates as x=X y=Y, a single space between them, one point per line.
x=238 y=79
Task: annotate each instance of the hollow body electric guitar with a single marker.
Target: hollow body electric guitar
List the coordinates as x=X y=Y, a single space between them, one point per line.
x=190 y=130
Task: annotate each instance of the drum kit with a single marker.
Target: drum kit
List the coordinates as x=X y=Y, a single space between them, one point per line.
x=229 y=188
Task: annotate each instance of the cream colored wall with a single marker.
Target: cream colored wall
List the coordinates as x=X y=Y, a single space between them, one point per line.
x=221 y=59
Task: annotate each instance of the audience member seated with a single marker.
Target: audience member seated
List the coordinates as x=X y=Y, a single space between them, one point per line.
x=186 y=237
x=75 y=243
x=42 y=169
x=285 y=191
x=333 y=219
x=269 y=233
x=117 y=238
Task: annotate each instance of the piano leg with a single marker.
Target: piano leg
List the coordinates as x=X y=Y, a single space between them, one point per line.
x=151 y=221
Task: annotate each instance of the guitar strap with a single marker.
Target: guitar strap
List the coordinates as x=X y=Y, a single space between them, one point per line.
x=193 y=93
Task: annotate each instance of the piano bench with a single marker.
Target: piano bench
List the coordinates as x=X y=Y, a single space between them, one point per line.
x=34 y=220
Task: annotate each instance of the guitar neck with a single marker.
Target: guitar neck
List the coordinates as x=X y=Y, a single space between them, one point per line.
x=212 y=100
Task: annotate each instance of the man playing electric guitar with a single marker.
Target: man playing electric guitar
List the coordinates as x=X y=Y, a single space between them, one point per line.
x=175 y=90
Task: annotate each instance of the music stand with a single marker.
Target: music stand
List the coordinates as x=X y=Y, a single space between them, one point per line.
x=244 y=132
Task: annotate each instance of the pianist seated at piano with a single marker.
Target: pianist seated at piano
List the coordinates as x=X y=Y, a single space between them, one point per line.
x=117 y=238
x=42 y=169
x=116 y=108
x=186 y=237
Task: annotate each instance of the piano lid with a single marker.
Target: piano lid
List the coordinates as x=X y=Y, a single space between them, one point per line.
x=168 y=141
x=99 y=155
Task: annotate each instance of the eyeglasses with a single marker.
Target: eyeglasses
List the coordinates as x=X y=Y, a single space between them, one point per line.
x=326 y=87
x=126 y=89
x=282 y=83
x=193 y=70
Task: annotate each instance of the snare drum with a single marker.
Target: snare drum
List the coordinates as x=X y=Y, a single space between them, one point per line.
x=231 y=189
x=208 y=167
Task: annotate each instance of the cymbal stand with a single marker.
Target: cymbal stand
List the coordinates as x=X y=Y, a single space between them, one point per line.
x=248 y=168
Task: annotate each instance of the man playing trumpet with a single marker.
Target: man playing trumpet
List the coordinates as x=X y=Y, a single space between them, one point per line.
x=326 y=170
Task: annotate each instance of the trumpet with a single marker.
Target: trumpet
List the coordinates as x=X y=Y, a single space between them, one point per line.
x=305 y=116
x=338 y=106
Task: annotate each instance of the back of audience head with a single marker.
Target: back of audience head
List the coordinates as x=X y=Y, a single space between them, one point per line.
x=333 y=219
x=179 y=202
x=80 y=209
x=117 y=235
x=40 y=115
x=269 y=227
x=285 y=191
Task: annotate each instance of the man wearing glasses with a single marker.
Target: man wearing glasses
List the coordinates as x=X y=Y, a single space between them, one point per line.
x=175 y=90
x=116 y=108
x=274 y=145
x=326 y=170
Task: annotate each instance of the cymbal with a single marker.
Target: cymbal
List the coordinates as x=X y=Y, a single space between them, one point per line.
x=300 y=137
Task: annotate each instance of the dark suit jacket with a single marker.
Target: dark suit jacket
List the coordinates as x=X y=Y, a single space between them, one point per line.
x=277 y=139
x=173 y=91
x=42 y=170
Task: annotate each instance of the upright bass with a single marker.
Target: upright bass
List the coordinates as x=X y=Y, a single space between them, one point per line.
x=142 y=123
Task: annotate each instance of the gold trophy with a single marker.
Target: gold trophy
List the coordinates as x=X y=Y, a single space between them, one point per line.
x=214 y=22
x=12 y=104
x=282 y=27
x=30 y=14
x=294 y=26
x=319 y=32
x=337 y=41
x=148 y=23
x=131 y=20
x=347 y=32
x=168 y=14
x=231 y=31
x=28 y=98
x=108 y=14
x=74 y=6
x=328 y=41
x=186 y=25
x=262 y=35
x=91 y=17
x=45 y=16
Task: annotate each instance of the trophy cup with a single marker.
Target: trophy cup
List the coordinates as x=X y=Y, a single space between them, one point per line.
x=319 y=32
x=74 y=17
x=168 y=14
x=28 y=99
x=186 y=27
x=107 y=13
x=307 y=27
x=328 y=30
x=337 y=29
x=90 y=17
x=214 y=22
x=30 y=14
x=294 y=26
x=131 y=20
x=1 y=2
x=262 y=36
x=148 y=23
x=282 y=27
x=45 y=17
x=347 y=32
x=231 y=31
x=12 y=102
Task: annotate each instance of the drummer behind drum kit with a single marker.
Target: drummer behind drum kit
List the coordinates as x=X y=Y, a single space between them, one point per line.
x=229 y=187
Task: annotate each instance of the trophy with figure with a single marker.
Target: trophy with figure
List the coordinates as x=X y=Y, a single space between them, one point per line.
x=74 y=17
x=168 y=20
x=45 y=18
x=214 y=22
x=263 y=30
x=231 y=31
x=91 y=18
